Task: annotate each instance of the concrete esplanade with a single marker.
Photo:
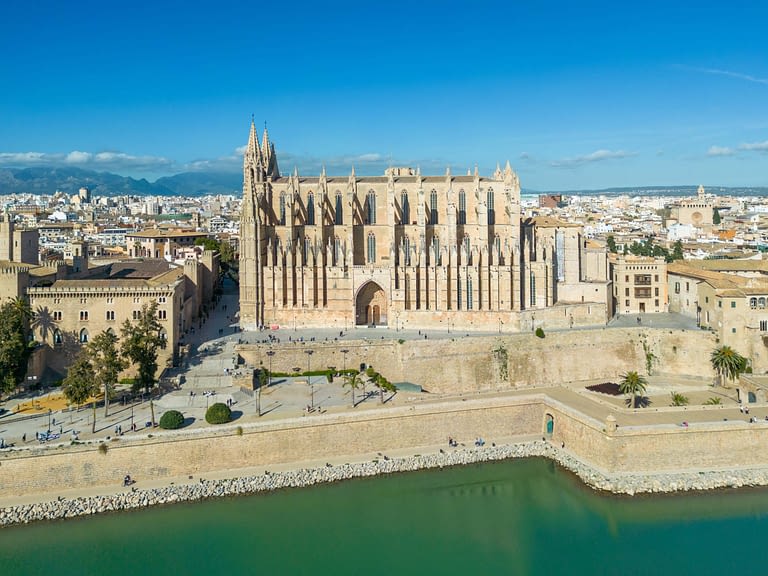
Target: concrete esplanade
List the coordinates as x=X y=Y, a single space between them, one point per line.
x=499 y=388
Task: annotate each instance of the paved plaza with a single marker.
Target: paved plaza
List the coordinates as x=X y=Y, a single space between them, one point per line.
x=209 y=363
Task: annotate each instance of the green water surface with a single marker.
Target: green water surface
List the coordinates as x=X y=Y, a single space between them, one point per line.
x=514 y=517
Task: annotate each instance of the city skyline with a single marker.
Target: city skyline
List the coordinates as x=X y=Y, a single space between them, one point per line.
x=588 y=96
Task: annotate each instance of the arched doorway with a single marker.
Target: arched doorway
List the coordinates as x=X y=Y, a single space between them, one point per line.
x=550 y=425
x=371 y=305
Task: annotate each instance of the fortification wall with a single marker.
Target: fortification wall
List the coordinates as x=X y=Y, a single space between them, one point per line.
x=168 y=455
x=502 y=362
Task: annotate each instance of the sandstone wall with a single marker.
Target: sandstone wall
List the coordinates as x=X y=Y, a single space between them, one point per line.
x=506 y=361
x=45 y=470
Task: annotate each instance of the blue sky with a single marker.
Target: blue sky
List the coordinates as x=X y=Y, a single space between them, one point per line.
x=574 y=94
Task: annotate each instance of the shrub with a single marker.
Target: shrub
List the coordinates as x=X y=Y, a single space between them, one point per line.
x=540 y=332
x=103 y=448
x=679 y=399
x=239 y=430
x=218 y=413
x=713 y=401
x=172 y=420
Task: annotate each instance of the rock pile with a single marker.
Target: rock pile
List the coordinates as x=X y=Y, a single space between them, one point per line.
x=203 y=489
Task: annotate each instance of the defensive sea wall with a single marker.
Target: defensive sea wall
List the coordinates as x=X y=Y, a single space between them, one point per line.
x=642 y=451
x=460 y=365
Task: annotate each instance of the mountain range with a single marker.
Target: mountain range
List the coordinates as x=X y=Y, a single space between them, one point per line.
x=47 y=180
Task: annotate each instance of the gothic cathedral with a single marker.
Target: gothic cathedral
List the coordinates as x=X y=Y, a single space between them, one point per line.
x=405 y=250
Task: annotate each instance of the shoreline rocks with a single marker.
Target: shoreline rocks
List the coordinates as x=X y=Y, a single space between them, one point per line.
x=629 y=484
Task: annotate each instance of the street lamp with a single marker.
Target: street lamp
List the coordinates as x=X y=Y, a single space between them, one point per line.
x=49 y=420
x=344 y=351
x=270 y=353
x=309 y=377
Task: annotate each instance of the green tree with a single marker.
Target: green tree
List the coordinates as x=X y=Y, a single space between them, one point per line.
x=208 y=244
x=226 y=253
x=727 y=363
x=677 y=250
x=141 y=340
x=611 y=243
x=353 y=380
x=679 y=399
x=715 y=216
x=15 y=316
x=80 y=383
x=107 y=363
x=713 y=401
x=263 y=382
x=634 y=385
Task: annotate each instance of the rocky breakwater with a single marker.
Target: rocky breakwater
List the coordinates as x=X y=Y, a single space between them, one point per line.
x=132 y=498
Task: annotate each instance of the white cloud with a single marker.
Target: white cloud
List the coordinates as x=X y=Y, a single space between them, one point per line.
x=112 y=161
x=77 y=157
x=755 y=146
x=596 y=156
x=720 y=151
x=731 y=74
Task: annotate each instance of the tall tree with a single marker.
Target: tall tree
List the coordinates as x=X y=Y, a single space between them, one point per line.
x=634 y=385
x=14 y=334
x=140 y=341
x=715 y=216
x=677 y=250
x=80 y=382
x=727 y=363
x=107 y=363
x=611 y=243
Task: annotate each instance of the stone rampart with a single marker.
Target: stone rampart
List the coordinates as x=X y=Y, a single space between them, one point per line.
x=462 y=364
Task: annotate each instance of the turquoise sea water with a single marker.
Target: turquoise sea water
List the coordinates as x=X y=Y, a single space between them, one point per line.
x=514 y=517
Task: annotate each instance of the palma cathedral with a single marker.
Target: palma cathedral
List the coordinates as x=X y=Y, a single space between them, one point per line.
x=406 y=250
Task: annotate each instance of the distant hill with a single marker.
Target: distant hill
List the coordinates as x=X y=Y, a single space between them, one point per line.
x=202 y=183
x=47 y=180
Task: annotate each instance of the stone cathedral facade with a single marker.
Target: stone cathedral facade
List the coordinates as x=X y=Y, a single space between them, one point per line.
x=407 y=251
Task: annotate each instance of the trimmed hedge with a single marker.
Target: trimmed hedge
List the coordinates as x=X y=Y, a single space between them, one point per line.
x=218 y=413
x=172 y=420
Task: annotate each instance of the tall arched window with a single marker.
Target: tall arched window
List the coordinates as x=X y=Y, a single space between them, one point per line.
x=371 y=206
x=310 y=209
x=467 y=248
x=491 y=210
x=336 y=251
x=407 y=250
x=433 y=207
x=282 y=209
x=761 y=302
x=405 y=208
x=84 y=335
x=371 y=248
x=338 y=215
x=307 y=250
x=469 y=293
x=58 y=339
x=462 y=207
x=436 y=248
x=497 y=244
x=753 y=302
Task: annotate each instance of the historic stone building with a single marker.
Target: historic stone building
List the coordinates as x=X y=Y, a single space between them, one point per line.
x=407 y=250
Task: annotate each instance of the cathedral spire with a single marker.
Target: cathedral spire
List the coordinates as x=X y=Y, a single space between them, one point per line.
x=252 y=150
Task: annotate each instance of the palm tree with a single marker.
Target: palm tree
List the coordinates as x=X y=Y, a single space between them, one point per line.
x=727 y=363
x=713 y=401
x=634 y=385
x=679 y=399
x=353 y=380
